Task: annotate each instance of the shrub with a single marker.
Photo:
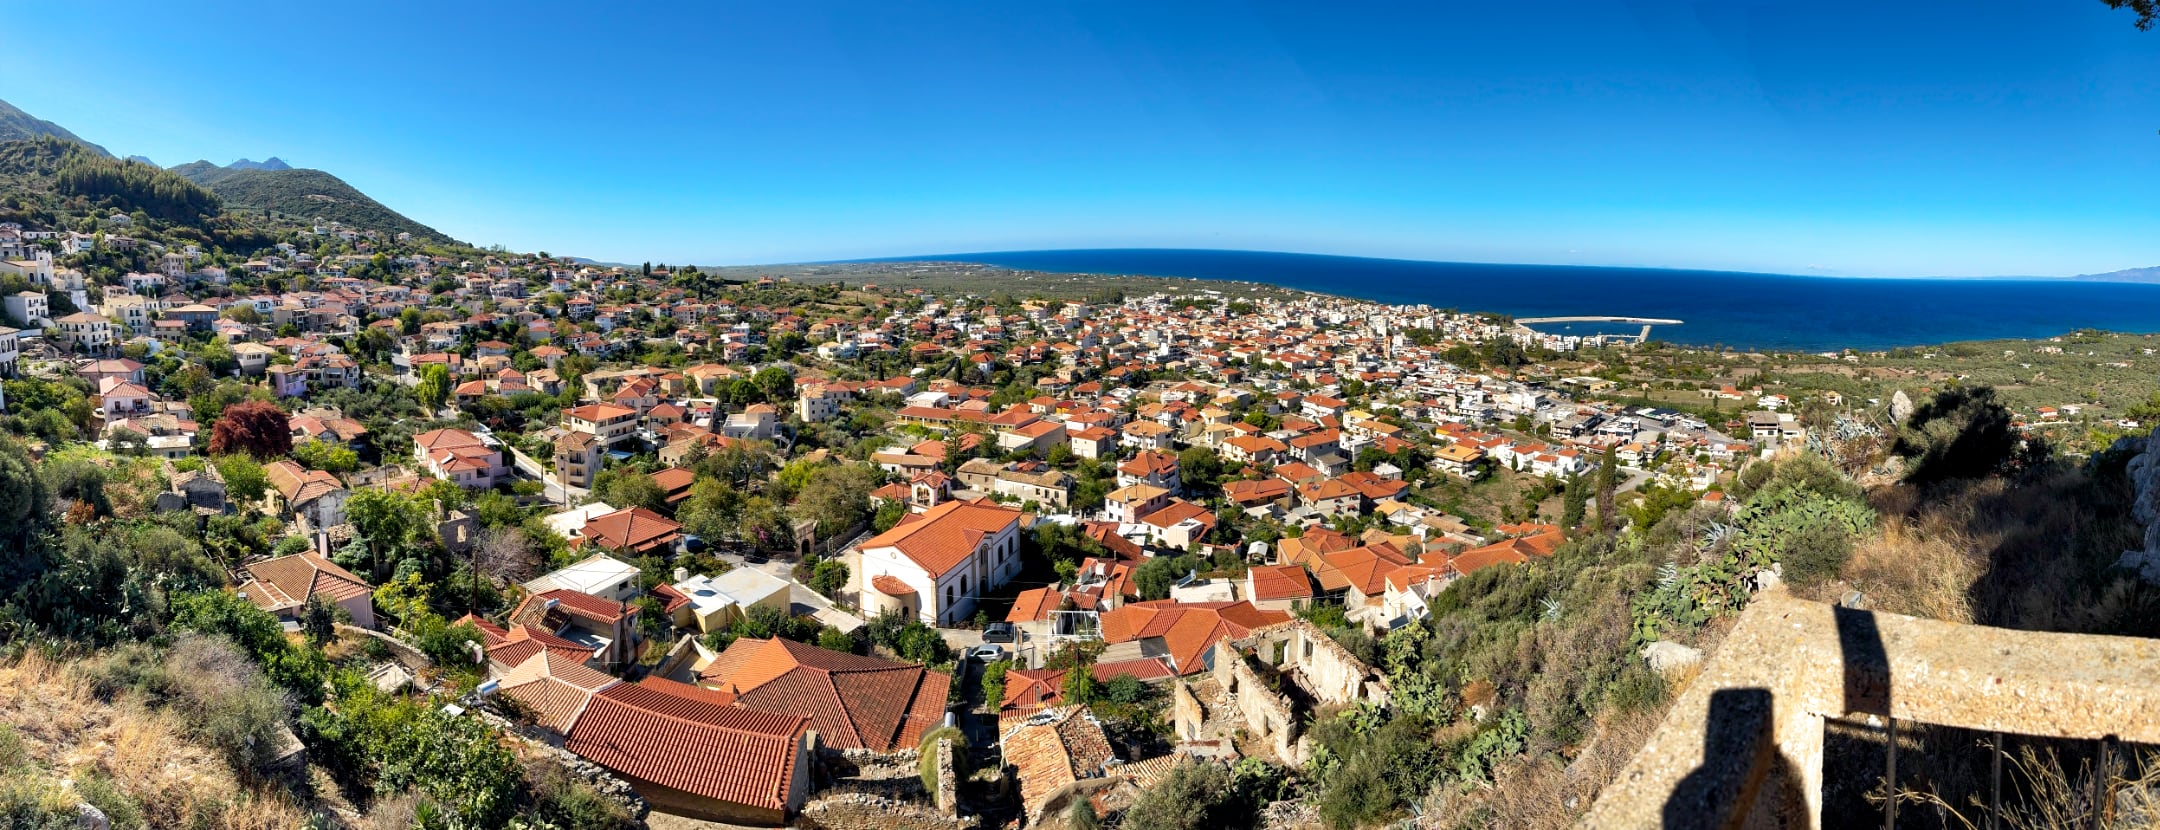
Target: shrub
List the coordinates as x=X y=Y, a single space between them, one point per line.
x=12 y=752
x=121 y=811
x=1194 y=796
x=225 y=701
x=1082 y=814
x=1125 y=689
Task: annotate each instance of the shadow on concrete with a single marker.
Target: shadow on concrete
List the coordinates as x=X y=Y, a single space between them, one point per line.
x=1741 y=767
x=1867 y=663
x=1744 y=779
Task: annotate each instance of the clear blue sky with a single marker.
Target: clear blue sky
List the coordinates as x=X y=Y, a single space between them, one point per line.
x=1861 y=138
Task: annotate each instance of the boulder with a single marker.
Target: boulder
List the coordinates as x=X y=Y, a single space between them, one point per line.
x=1666 y=657
x=1901 y=408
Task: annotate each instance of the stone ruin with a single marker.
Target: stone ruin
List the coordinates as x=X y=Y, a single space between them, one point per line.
x=1271 y=682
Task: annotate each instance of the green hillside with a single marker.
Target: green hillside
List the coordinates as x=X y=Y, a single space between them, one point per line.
x=47 y=179
x=302 y=194
x=16 y=125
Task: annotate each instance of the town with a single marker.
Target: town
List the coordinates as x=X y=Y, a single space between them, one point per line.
x=746 y=551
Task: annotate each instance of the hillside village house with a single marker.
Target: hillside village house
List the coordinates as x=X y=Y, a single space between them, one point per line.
x=577 y=459
x=600 y=575
x=609 y=423
x=459 y=456
x=313 y=496
x=30 y=308
x=934 y=565
x=687 y=751
x=284 y=585
x=86 y=331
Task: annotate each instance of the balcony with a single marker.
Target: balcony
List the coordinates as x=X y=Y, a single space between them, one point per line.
x=1744 y=745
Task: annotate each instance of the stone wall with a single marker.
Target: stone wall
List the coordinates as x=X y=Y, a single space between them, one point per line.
x=406 y=653
x=1269 y=715
x=1322 y=667
x=948 y=780
x=1186 y=714
x=864 y=811
x=2143 y=470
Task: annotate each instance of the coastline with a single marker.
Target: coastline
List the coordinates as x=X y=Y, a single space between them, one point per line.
x=944 y=275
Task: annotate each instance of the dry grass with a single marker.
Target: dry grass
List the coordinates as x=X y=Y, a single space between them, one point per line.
x=1923 y=566
x=2055 y=795
x=69 y=732
x=2032 y=555
x=1543 y=793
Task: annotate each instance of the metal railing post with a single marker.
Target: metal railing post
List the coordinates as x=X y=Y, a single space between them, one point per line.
x=1889 y=773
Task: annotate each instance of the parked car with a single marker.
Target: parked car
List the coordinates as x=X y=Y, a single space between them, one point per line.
x=1000 y=632
x=988 y=652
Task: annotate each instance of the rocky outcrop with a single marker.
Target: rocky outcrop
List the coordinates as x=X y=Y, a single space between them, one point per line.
x=2143 y=470
x=1666 y=657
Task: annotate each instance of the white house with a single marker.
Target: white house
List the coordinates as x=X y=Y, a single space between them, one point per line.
x=936 y=564
x=600 y=575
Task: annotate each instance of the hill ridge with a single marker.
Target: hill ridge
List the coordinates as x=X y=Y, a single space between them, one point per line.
x=16 y=125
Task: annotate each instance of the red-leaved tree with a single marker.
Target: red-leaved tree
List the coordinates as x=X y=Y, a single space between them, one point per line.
x=257 y=428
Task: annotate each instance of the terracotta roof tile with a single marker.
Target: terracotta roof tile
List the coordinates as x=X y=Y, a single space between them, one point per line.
x=658 y=732
x=852 y=701
x=946 y=534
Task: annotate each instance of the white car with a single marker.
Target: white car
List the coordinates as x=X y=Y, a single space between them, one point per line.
x=988 y=652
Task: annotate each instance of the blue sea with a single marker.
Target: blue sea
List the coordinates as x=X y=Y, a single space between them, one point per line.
x=1764 y=311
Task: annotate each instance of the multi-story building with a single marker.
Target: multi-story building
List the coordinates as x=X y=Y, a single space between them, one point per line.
x=577 y=459
x=88 y=332
x=608 y=423
x=937 y=567
x=30 y=308
x=459 y=456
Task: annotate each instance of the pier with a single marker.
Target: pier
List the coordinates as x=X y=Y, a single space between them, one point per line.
x=1646 y=322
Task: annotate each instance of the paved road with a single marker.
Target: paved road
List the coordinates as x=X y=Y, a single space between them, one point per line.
x=556 y=493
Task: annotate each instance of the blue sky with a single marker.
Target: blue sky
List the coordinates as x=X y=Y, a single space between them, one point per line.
x=1876 y=138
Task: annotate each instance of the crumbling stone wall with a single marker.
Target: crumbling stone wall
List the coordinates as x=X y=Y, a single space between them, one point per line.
x=865 y=811
x=1269 y=715
x=948 y=780
x=1186 y=713
x=1321 y=667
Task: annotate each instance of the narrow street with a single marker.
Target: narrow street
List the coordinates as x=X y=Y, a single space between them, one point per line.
x=556 y=493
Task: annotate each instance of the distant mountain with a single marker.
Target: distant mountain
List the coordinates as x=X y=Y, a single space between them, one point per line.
x=272 y=163
x=16 y=125
x=143 y=160
x=2151 y=275
x=301 y=193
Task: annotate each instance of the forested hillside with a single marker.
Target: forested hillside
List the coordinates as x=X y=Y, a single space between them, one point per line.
x=302 y=194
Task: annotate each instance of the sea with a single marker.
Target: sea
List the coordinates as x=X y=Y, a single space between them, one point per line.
x=1740 y=310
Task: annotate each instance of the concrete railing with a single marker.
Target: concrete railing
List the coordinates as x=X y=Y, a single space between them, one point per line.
x=1743 y=746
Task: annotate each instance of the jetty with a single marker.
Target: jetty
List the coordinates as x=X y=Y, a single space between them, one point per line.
x=1646 y=322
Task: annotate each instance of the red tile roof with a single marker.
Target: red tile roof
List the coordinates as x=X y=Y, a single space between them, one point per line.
x=288 y=581
x=660 y=732
x=1187 y=629
x=631 y=528
x=946 y=534
x=851 y=700
x=1279 y=582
